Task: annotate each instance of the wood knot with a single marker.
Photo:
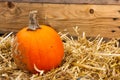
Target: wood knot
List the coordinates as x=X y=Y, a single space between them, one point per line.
x=113 y=31
x=116 y=0
x=119 y=27
x=115 y=19
x=10 y=5
x=91 y=11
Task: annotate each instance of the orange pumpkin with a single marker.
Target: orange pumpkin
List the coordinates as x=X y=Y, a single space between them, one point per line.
x=37 y=46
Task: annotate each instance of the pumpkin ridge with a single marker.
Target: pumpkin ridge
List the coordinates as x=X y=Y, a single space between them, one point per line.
x=29 y=54
x=39 y=56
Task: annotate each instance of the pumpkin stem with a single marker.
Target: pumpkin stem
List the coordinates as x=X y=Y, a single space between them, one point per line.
x=33 y=23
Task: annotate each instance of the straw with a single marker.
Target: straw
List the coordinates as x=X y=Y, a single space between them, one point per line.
x=84 y=59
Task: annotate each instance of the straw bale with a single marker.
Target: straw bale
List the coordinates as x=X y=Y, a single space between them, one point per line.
x=84 y=59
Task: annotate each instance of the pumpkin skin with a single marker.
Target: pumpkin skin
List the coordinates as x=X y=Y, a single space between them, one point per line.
x=42 y=48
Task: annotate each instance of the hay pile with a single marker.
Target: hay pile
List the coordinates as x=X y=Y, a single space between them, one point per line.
x=85 y=59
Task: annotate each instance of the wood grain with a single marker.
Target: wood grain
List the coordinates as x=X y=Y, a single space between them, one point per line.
x=92 y=19
x=103 y=19
x=71 y=1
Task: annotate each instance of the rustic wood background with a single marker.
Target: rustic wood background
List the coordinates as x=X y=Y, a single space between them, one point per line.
x=71 y=1
x=90 y=18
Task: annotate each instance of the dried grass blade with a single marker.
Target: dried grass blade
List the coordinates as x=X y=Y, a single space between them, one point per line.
x=5 y=37
x=108 y=54
x=88 y=67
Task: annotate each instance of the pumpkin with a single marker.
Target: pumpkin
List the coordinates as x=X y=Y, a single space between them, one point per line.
x=37 y=47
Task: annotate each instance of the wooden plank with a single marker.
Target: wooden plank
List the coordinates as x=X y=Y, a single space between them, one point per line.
x=71 y=1
x=13 y=18
x=92 y=19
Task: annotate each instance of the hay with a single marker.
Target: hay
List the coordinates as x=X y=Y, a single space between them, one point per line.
x=84 y=59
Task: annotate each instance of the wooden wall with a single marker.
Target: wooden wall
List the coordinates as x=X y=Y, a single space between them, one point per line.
x=91 y=18
x=70 y=1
